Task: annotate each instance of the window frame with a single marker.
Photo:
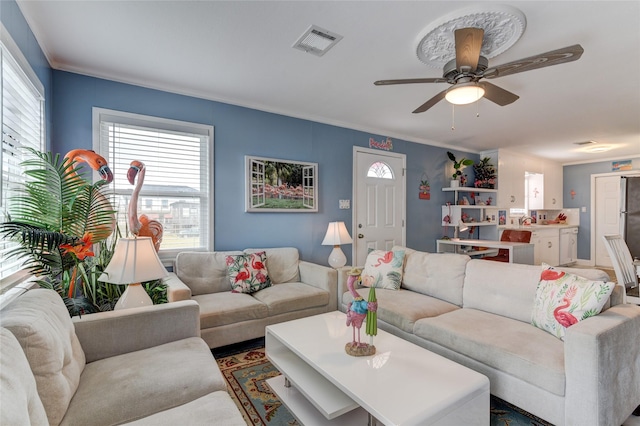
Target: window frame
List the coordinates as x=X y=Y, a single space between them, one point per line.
x=102 y=114
x=10 y=52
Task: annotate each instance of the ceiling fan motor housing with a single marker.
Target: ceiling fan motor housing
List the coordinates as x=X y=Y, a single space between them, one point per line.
x=452 y=74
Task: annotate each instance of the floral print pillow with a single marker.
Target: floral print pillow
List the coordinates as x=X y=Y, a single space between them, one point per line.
x=248 y=272
x=564 y=299
x=383 y=269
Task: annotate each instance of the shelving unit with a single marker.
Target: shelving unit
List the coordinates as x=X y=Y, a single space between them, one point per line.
x=483 y=215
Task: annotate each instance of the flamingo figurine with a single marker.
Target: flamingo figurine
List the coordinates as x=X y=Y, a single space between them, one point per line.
x=357 y=309
x=141 y=226
x=99 y=164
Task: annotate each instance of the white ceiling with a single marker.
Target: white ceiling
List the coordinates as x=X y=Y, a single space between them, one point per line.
x=240 y=52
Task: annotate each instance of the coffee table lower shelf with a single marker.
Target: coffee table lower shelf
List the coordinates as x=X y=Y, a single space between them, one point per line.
x=306 y=413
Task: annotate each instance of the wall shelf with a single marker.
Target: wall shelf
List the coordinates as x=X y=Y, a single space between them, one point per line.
x=483 y=215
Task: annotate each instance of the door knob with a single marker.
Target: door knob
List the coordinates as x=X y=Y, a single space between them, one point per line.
x=360 y=236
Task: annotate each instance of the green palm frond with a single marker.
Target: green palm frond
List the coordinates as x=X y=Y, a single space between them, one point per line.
x=39 y=247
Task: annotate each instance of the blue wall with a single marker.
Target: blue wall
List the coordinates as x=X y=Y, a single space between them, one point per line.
x=577 y=178
x=242 y=131
x=14 y=22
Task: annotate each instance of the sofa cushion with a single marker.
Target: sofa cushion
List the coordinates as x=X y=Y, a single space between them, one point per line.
x=130 y=386
x=283 y=263
x=290 y=297
x=218 y=407
x=19 y=400
x=513 y=347
x=402 y=308
x=505 y=289
x=42 y=325
x=439 y=275
x=248 y=272
x=218 y=309
x=562 y=299
x=383 y=269
x=204 y=272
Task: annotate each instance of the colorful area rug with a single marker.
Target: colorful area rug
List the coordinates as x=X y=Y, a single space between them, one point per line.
x=246 y=368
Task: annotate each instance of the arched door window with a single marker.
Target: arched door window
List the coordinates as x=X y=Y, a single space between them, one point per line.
x=380 y=170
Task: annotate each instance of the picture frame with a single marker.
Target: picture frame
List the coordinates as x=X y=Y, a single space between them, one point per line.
x=284 y=186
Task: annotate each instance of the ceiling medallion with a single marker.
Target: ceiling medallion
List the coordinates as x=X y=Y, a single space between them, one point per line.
x=503 y=25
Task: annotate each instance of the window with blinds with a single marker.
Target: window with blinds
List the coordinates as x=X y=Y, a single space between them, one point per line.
x=22 y=123
x=177 y=190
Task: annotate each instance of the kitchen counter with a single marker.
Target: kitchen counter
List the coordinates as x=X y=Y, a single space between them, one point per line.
x=538 y=226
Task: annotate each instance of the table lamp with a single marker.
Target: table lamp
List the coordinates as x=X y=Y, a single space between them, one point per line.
x=337 y=234
x=134 y=261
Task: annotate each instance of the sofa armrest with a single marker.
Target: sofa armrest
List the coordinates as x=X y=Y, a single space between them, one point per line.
x=602 y=367
x=321 y=277
x=176 y=289
x=106 y=334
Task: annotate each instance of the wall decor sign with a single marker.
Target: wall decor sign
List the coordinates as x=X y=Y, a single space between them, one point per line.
x=621 y=166
x=280 y=185
x=387 y=144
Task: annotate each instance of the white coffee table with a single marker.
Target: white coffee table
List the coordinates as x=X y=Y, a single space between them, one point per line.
x=402 y=384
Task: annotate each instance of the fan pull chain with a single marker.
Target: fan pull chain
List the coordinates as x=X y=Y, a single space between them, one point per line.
x=453 y=117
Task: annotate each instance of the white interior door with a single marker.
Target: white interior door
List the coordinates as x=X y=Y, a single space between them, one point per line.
x=379 y=202
x=607 y=215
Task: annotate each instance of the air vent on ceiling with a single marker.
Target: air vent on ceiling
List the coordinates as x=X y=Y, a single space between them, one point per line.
x=317 y=41
x=585 y=143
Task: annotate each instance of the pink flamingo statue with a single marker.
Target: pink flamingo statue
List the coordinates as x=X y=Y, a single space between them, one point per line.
x=356 y=315
x=142 y=226
x=99 y=164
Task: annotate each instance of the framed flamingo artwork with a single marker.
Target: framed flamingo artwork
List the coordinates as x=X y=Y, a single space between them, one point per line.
x=280 y=185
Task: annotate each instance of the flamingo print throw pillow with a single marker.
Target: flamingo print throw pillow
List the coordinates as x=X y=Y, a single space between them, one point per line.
x=383 y=269
x=563 y=299
x=248 y=272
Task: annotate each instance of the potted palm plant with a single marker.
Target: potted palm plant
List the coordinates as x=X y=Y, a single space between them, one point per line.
x=55 y=219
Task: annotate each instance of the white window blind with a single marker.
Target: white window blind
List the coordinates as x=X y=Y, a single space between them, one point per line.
x=22 y=123
x=177 y=188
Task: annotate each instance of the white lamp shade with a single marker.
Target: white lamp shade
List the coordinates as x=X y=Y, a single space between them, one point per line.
x=134 y=261
x=463 y=226
x=336 y=234
x=464 y=93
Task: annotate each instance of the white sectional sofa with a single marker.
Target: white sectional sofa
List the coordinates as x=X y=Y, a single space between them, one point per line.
x=478 y=313
x=299 y=289
x=141 y=366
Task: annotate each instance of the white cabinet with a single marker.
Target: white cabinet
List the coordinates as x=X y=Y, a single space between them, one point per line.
x=510 y=168
x=553 y=184
x=547 y=247
x=568 y=246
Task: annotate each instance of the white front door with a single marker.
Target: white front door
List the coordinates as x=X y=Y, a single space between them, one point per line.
x=607 y=215
x=379 y=202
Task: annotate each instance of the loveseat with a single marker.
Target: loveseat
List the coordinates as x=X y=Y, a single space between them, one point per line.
x=478 y=313
x=141 y=366
x=298 y=289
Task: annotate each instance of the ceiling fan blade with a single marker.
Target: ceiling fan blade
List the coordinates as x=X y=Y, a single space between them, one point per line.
x=431 y=102
x=468 y=45
x=410 y=81
x=497 y=94
x=555 y=57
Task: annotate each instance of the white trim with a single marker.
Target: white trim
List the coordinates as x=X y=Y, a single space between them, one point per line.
x=15 y=51
x=592 y=218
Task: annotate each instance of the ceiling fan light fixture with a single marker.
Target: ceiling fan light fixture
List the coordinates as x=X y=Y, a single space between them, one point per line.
x=464 y=93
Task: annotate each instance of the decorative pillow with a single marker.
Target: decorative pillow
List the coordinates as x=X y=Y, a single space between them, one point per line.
x=248 y=272
x=563 y=299
x=383 y=269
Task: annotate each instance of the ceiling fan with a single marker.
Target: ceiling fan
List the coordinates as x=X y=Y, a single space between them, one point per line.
x=469 y=67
